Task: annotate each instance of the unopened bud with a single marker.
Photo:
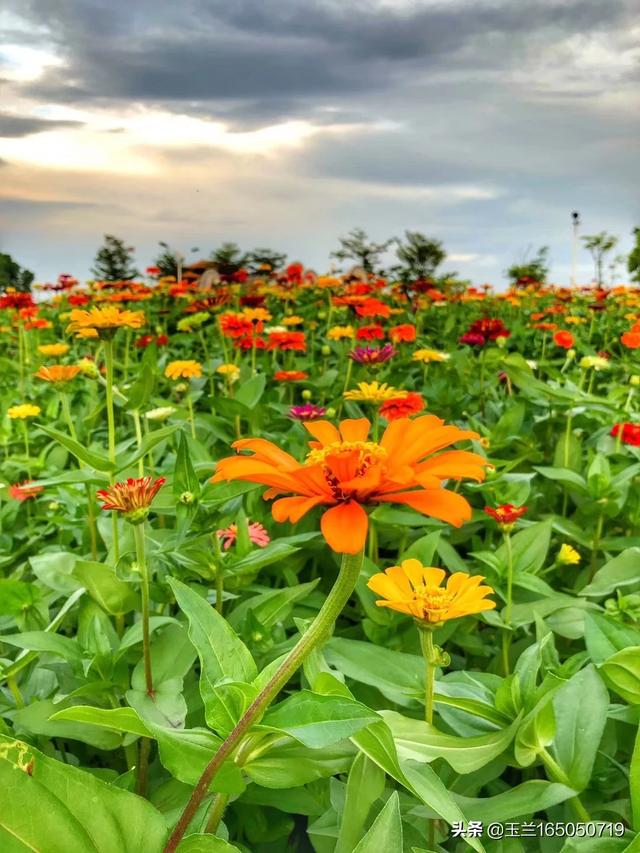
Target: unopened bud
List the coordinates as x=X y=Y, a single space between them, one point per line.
x=326 y=350
x=306 y=394
x=187 y=498
x=634 y=381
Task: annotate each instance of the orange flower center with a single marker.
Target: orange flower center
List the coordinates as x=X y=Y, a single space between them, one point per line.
x=342 y=461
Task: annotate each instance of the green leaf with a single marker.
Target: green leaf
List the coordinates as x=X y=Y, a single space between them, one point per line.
x=290 y=764
x=250 y=392
x=105 y=587
x=386 y=830
x=45 y=641
x=622 y=673
x=580 y=707
x=273 y=606
x=634 y=784
x=140 y=392
x=605 y=636
x=523 y=800
x=227 y=703
x=37 y=719
x=58 y=808
x=623 y=570
x=16 y=596
x=258 y=558
x=151 y=440
x=206 y=844
x=97 y=461
x=529 y=548
x=222 y=654
x=418 y=741
x=365 y=785
x=564 y=476
x=117 y=719
x=317 y=720
x=397 y=675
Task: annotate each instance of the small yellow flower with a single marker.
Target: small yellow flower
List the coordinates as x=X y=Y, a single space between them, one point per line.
x=374 y=392
x=159 y=414
x=294 y=320
x=88 y=368
x=256 y=315
x=416 y=590
x=24 y=410
x=594 y=361
x=427 y=355
x=230 y=371
x=183 y=370
x=339 y=333
x=568 y=556
x=53 y=350
x=575 y=320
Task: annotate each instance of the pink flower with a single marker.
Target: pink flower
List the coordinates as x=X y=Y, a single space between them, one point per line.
x=257 y=534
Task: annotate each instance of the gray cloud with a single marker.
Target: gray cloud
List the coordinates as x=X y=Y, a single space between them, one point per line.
x=16 y=126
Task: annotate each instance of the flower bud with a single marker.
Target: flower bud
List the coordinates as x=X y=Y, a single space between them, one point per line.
x=634 y=381
x=321 y=315
x=187 y=498
x=571 y=354
x=181 y=387
x=326 y=350
x=330 y=413
x=306 y=394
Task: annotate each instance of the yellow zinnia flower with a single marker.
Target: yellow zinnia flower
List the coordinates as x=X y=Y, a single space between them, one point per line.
x=53 y=350
x=256 y=315
x=338 y=333
x=24 y=410
x=415 y=589
x=58 y=372
x=294 y=320
x=427 y=355
x=568 y=556
x=231 y=371
x=374 y=392
x=183 y=370
x=107 y=320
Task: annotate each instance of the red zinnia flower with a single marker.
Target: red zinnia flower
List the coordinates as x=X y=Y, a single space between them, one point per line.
x=132 y=498
x=249 y=342
x=564 y=339
x=373 y=308
x=402 y=407
x=370 y=333
x=285 y=341
x=630 y=433
x=631 y=340
x=24 y=491
x=506 y=514
x=290 y=375
x=236 y=326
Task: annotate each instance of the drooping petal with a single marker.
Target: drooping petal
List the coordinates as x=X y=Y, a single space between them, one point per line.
x=345 y=527
x=355 y=429
x=267 y=451
x=324 y=431
x=292 y=509
x=437 y=503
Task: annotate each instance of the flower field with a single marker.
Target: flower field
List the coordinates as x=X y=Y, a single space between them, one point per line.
x=332 y=564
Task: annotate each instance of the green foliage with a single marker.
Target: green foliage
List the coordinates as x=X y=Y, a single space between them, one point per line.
x=113 y=261
x=12 y=275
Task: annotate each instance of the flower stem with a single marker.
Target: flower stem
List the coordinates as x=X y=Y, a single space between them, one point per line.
x=316 y=633
x=217 y=810
x=506 y=634
x=428 y=652
x=191 y=418
x=558 y=775
x=111 y=427
x=138 y=532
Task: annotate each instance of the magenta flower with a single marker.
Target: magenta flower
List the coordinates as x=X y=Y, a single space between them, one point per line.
x=372 y=355
x=257 y=534
x=307 y=412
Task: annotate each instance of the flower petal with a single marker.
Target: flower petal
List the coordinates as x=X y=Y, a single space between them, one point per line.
x=345 y=527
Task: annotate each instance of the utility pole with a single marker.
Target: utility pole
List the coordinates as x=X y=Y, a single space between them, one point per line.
x=575 y=219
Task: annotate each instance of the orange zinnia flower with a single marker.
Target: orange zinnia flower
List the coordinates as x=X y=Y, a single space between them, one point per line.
x=406 y=332
x=631 y=340
x=402 y=407
x=107 y=320
x=345 y=472
x=132 y=498
x=415 y=589
x=183 y=370
x=58 y=372
x=290 y=375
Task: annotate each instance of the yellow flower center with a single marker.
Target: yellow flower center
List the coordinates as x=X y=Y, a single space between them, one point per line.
x=368 y=453
x=434 y=602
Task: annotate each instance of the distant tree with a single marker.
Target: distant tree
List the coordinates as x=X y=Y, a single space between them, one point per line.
x=260 y=259
x=170 y=261
x=356 y=246
x=420 y=256
x=13 y=275
x=528 y=271
x=599 y=245
x=230 y=258
x=633 y=261
x=113 y=261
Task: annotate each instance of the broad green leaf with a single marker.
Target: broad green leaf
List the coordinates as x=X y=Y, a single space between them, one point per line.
x=622 y=673
x=580 y=706
x=273 y=606
x=118 y=719
x=290 y=764
x=250 y=392
x=529 y=548
x=386 y=830
x=97 y=461
x=105 y=587
x=37 y=719
x=16 y=596
x=226 y=703
x=46 y=641
x=58 y=808
x=133 y=635
x=564 y=476
x=623 y=570
x=317 y=720
x=523 y=800
x=397 y=675
x=634 y=784
x=418 y=741
x=605 y=636
x=365 y=785
x=222 y=654
x=151 y=440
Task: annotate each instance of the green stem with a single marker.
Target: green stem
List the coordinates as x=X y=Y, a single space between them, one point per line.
x=12 y=684
x=111 y=427
x=138 y=429
x=595 y=546
x=93 y=536
x=66 y=411
x=138 y=532
x=219 y=587
x=558 y=775
x=27 y=452
x=191 y=417
x=428 y=652
x=506 y=634
x=215 y=815
x=316 y=633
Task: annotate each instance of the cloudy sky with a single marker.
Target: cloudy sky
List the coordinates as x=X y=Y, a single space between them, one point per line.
x=285 y=123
